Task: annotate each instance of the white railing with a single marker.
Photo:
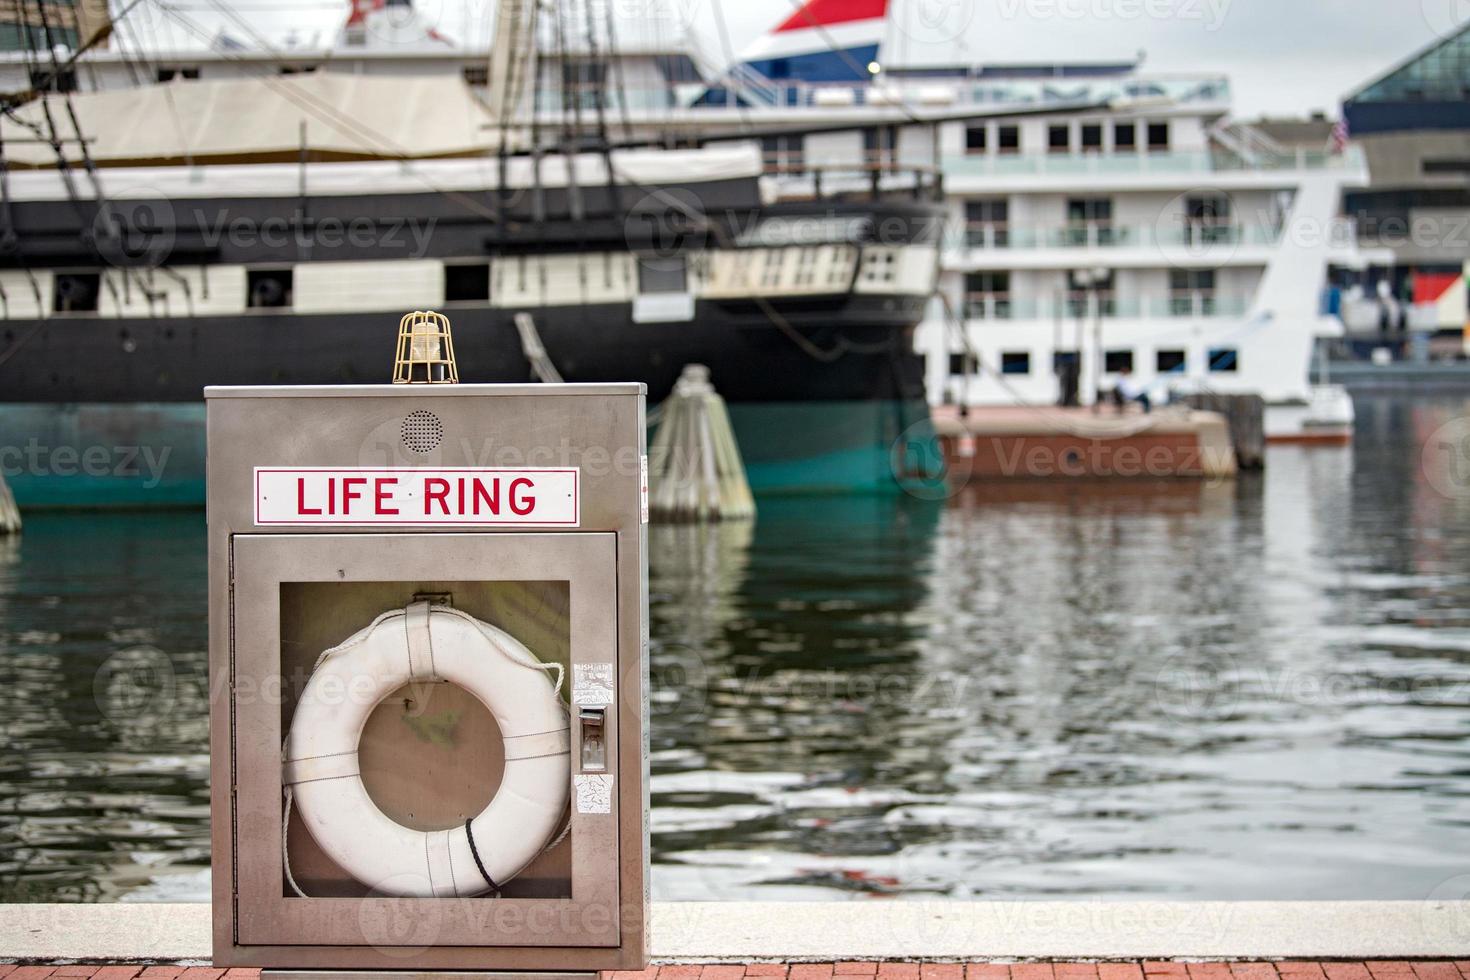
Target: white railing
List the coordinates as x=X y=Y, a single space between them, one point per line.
x=1072 y=306
x=1163 y=163
x=1173 y=234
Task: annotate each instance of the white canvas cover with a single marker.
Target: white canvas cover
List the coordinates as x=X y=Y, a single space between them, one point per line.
x=259 y=119
x=636 y=168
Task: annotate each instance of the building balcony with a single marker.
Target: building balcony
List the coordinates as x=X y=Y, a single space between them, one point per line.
x=978 y=173
x=1169 y=242
x=1163 y=244
x=1071 y=307
x=1172 y=234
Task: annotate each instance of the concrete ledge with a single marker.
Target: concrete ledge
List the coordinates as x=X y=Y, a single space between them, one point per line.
x=826 y=931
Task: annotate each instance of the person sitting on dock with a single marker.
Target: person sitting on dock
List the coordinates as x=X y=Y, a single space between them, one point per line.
x=1127 y=390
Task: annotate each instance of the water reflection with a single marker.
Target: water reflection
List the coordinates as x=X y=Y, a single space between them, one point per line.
x=104 y=779
x=1254 y=690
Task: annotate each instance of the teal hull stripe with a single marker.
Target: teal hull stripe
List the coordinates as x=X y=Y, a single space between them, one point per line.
x=142 y=455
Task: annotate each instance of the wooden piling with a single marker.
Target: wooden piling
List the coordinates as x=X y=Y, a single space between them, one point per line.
x=1247 y=417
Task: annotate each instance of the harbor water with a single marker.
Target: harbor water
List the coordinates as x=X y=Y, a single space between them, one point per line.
x=1257 y=689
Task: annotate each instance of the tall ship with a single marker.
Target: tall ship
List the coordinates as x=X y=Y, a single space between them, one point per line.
x=271 y=223
x=843 y=239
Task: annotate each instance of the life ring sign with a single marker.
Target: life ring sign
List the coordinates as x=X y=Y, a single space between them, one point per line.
x=322 y=779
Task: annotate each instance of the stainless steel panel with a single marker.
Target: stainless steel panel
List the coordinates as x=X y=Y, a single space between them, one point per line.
x=597 y=428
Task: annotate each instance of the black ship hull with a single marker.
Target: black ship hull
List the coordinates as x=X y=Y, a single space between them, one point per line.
x=821 y=385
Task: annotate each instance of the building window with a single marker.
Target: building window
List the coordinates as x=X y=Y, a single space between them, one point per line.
x=1063 y=359
x=1015 y=362
x=1059 y=139
x=878 y=146
x=296 y=69
x=1191 y=292
x=1090 y=221
x=784 y=154
x=1207 y=219
x=1117 y=360
x=1223 y=360
x=667 y=275
x=988 y=295
x=18 y=37
x=583 y=83
x=467 y=283
x=1092 y=138
x=1125 y=136
x=46 y=80
x=677 y=69
x=169 y=74
x=1169 y=361
x=1008 y=139
x=1461 y=167
x=477 y=75
x=976 y=139
x=961 y=365
x=1080 y=291
x=986 y=223
x=1158 y=137
x=268 y=288
x=76 y=292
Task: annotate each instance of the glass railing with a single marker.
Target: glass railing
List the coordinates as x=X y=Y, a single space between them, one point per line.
x=1155 y=162
x=1172 y=234
x=1196 y=304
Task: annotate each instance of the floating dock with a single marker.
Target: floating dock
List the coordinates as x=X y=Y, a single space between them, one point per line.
x=1035 y=442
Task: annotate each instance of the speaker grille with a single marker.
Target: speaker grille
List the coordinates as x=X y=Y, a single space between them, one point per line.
x=422 y=431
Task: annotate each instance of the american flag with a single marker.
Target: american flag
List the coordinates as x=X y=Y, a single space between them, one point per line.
x=1340 y=135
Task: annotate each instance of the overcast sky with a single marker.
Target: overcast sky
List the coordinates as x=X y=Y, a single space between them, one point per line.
x=1283 y=56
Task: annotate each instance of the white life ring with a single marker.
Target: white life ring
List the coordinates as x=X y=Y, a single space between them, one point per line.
x=321 y=768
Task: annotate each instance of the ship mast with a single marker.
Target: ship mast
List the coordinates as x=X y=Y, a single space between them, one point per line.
x=512 y=65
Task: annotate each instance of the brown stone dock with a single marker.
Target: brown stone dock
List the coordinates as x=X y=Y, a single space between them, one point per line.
x=1042 y=442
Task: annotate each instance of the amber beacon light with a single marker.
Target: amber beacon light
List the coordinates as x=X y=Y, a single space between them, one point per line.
x=425 y=352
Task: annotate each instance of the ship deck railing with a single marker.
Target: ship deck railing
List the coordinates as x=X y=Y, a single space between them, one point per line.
x=870 y=177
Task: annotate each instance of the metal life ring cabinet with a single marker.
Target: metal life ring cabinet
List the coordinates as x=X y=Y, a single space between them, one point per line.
x=428 y=661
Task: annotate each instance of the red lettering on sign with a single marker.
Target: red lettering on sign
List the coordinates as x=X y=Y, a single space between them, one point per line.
x=490 y=495
x=436 y=488
x=366 y=496
x=301 y=507
x=349 y=494
x=519 y=505
x=381 y=493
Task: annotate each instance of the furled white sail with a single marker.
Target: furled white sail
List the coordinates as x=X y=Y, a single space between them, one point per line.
x=336 y=116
